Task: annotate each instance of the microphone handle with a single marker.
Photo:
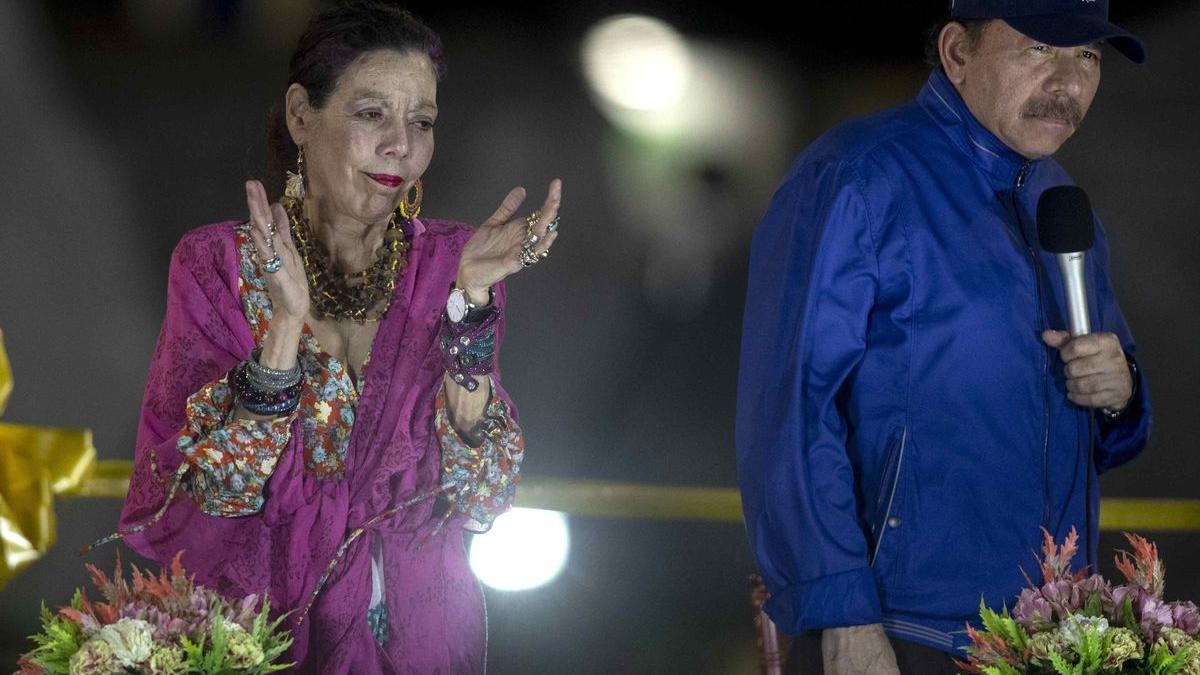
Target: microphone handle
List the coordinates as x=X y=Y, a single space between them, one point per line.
x=1075 y=285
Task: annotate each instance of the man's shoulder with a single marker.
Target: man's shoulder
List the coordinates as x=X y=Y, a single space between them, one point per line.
x=858 y=141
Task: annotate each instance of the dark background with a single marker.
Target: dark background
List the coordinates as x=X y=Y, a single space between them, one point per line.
x=124 y=124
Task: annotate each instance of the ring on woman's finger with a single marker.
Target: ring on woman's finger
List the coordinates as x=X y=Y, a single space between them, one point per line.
x=544 y=254
x=271 y=230
x=532 y=240
x=553 y=226
x=272 y=266
x=528 y=257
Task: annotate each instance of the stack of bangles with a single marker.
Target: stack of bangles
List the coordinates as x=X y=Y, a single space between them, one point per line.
x=469 y=346
x=266 y=391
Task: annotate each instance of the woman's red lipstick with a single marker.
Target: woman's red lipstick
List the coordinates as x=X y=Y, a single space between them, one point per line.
x=387 y=179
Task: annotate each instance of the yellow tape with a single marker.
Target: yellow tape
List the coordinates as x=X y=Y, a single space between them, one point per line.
x=714 y=504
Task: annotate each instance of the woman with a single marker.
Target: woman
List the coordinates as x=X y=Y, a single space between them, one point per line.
x=325 y=371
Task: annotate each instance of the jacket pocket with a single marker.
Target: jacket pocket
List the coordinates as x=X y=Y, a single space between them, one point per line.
x=886 y=508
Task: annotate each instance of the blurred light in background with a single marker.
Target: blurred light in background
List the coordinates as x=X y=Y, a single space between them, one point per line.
x=525 y=549
x=702 y=132
x=636 y=62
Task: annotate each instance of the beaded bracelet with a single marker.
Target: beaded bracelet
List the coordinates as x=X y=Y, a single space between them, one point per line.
x=261 y=401
x=469 y=348
x=270 y=378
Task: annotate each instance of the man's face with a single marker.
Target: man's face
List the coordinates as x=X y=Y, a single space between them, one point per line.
x=1030 y=95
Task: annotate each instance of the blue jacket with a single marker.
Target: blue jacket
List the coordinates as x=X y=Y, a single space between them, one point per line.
x=903 y=434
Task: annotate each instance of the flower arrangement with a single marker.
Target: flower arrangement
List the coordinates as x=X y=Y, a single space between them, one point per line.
x=1077 y=623
x=164 y=625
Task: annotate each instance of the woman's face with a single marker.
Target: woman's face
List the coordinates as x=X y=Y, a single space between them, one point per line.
x=372 y=139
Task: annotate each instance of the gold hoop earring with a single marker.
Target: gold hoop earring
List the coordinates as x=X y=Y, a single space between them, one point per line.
x=295 y=180
x=408 y=210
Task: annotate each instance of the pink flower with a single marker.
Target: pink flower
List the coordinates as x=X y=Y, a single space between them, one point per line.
x=1064 y=597
x=1032 y=610
x=1153 y=615
x=1186 y=617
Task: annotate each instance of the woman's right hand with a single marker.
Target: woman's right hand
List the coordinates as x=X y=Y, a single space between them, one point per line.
x=288 y=287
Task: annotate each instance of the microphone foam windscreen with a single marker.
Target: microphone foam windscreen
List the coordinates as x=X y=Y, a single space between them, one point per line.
x=1064 y=220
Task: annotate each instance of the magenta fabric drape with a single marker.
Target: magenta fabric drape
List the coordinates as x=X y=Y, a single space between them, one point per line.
x=434 y=601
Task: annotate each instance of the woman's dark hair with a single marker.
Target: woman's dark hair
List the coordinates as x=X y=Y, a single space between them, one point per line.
x=933 y=57
x=331 y=42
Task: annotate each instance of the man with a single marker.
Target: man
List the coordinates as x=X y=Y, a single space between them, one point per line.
x=910 y=412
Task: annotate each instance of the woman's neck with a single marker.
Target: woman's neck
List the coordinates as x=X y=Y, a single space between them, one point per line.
x=351 y=243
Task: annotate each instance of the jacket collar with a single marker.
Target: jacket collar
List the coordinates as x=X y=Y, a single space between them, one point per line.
x=943 y=103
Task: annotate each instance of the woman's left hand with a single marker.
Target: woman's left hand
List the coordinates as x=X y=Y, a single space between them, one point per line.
x=495 y=250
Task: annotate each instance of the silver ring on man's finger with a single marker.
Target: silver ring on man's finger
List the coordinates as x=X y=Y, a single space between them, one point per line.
x=272 y=266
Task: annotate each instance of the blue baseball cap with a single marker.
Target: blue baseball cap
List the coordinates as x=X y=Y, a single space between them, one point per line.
x=1059 y=23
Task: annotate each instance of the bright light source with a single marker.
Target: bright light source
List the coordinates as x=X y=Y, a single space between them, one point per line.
x=636 y=62
x=525 y=548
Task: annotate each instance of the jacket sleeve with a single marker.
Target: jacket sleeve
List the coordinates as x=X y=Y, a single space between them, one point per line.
x=813 y=281
x=1122 y=439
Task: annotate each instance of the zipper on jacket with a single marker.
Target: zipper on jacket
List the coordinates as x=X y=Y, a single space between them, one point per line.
x=1038 y=271
x=1023 y=174
x=882 y=526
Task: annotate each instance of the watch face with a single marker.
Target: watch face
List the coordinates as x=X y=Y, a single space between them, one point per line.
x=456 y=305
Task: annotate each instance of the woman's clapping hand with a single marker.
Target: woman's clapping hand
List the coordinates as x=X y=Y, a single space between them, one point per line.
x=496 y=249
x=287 y=286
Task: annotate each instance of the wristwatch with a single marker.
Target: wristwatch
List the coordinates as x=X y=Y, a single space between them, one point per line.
x=459 y=307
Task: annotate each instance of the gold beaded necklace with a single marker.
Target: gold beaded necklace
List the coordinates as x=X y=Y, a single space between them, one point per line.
x=336 y=295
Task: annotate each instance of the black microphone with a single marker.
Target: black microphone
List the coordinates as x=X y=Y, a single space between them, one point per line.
x=1065 y=228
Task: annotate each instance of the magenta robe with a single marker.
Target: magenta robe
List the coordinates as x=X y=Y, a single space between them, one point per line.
x=438 y=621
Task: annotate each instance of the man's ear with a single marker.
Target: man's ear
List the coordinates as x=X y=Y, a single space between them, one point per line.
x=955 y=50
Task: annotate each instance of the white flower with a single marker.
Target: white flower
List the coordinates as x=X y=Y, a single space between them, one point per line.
x=130 y=640
x=1075 y=626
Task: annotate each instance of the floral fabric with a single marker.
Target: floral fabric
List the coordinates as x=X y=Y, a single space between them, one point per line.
x=232 y=458
x=235 y=457
x=484 y=477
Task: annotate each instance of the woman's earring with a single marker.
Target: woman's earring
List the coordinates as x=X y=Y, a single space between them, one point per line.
x=410 y=210
x=295 y=180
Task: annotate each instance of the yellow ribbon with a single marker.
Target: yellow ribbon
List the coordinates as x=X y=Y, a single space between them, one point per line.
x=36 y=463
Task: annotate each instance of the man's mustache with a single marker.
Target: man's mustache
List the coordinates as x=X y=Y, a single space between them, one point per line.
x=1062 y=108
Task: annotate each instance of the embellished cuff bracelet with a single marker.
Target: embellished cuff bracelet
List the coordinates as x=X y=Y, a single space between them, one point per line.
x=468 y=348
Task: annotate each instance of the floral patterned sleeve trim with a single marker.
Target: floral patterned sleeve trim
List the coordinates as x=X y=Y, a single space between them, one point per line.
x=482 y=480
x=231 y=458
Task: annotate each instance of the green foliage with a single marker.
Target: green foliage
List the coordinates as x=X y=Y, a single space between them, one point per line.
x=1127 y=618
x=1000 y=669
x=1091 y=650
x=212 y=658
x=1093 y=606
x=1163 y=662
x=1005 y=626
x=59 y=640
x=1061 y=667
x=274 y=642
